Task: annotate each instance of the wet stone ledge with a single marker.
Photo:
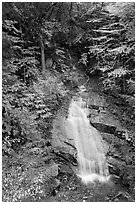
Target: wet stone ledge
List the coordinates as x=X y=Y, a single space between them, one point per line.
x=121 y=134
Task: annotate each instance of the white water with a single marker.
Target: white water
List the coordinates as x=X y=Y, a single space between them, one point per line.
x=89 y=144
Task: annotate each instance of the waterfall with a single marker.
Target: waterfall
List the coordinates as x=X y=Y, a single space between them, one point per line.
x=88 y=142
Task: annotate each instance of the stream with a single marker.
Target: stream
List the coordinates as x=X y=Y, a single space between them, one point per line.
x=88 y=142
x=92 y=149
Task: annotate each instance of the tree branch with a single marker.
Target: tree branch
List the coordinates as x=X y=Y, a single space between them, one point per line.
x=53 y=6
x=71 y=7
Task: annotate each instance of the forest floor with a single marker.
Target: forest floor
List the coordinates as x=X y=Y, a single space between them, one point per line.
x=50 y=167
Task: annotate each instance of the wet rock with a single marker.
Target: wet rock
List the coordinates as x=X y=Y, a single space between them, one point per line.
x=104 y=128
x=122 y=171
x=65 y=169
x=98 y=110
x=62 y=141
x=51 y=187
x=113 y=170
x=120 y=134
x=52 y=170
x=67 y=157
x=56 y=187
x=116 y=166
x=68 y=143
x=93 y=107
x=114 y=112
x=116 y=198
x=112 y=130
x=122 y=195
x=48 y=144
x=127 y=177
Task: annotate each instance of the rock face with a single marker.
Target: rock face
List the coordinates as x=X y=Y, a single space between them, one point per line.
x=116 y=137
x=63 y=143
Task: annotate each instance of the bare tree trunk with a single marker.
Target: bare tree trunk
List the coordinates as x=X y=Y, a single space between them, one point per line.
x=42 y=56
x=124 y=84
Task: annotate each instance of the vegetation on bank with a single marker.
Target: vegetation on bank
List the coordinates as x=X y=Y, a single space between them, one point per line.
x=42 y=44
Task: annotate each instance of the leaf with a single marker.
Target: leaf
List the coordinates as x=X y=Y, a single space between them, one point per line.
x=84 y=59
x=118 y=73
x=47 y=115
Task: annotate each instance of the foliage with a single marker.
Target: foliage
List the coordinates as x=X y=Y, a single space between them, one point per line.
x=94 y=30
x=99 y=36
x=29 y=106
x=27 y=121
x=30 y=100
x=108 y=45
x=25 y=176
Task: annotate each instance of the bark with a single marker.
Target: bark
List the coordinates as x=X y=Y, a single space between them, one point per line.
x=124 y=84
x=42 y=56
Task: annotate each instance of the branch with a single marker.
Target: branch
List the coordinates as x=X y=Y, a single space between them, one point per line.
x=43 y=15
x=71 y=7
x=53 y=6
x=60 y=7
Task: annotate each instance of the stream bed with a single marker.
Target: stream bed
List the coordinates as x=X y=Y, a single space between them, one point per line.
x=119 y=154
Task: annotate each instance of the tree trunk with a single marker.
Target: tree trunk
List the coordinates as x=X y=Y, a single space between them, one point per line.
x=42 y=56
x=124 y=84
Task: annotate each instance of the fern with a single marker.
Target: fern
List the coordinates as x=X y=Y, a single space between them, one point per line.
x=118 y=73
x=83 y=59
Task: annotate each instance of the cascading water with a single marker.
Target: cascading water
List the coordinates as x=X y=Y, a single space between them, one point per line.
x=89 y=144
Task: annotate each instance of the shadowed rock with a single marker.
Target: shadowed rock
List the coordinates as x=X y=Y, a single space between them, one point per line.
x=104 y=128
